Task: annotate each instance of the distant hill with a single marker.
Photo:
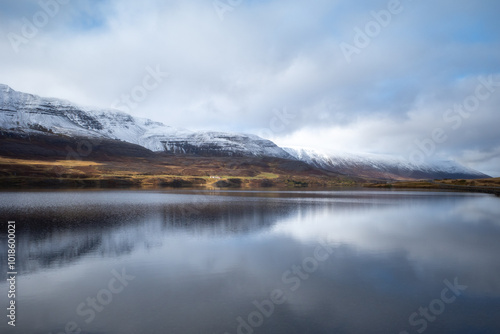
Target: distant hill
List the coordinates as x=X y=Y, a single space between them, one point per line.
x=383 y=167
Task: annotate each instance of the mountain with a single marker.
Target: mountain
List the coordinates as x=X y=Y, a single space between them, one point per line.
x=382 y=166
x=32 y=126
x=27 y=113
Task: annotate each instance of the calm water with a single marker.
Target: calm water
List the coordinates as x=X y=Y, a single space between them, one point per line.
x=253 y=262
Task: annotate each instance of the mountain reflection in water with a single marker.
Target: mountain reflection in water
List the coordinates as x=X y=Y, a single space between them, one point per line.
x=203 y=260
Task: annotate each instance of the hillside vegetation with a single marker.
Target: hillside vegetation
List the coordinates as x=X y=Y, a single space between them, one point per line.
x=165 y=171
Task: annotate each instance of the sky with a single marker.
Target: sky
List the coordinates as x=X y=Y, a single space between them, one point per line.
x=415 y=79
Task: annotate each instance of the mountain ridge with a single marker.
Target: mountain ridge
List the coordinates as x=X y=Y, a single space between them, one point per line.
x=25 y=113
x=382 y=166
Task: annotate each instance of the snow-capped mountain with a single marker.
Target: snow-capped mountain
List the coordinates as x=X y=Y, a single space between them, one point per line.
x=382 y=166
x=21 y=112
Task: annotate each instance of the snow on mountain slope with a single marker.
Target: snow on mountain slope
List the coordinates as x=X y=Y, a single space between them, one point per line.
x=383 y=166
x=27 y=113
x=21 y=112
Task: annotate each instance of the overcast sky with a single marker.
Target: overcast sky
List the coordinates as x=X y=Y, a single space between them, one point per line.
x=411 y=78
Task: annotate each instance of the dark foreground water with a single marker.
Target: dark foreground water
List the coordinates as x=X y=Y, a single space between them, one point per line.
x=122 y=262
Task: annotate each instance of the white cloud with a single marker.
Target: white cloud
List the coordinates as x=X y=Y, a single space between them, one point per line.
x=267 y=55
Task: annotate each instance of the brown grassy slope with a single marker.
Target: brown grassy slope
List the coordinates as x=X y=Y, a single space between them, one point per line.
x=163 y=171
x=493 y=182
x=58 y=161
x=491 y=185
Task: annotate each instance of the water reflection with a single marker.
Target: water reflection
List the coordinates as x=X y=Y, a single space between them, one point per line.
x=203 y=259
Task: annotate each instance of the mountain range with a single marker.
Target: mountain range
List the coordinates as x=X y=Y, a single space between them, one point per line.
x=383 y=166
x=23 y=116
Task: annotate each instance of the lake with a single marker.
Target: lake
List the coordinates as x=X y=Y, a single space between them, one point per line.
x=193 y=261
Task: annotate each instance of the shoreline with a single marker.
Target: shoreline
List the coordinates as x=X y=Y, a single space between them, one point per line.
x=108 y=184
x=464 y=186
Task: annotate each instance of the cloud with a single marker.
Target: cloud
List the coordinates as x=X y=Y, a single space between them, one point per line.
x=233 y=74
